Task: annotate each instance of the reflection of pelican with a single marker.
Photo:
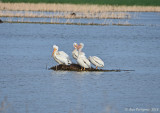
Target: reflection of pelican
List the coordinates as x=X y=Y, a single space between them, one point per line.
x=82 y=60
x=82 y=73
x=96 y=61
x=59 y=72
x=60 y=56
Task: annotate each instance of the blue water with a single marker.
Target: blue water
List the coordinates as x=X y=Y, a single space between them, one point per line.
x=26 y=86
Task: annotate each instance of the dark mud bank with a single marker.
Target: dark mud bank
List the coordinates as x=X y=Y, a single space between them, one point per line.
x=76 y=67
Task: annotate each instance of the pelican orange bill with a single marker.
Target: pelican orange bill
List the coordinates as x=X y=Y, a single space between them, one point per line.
x=79 y=46
x=53 y=51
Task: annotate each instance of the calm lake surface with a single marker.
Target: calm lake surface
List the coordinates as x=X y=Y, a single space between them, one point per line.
x=26 y=86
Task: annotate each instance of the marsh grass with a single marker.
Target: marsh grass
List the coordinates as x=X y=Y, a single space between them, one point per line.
x=121 y=23
x=25 y=11
x=31 y=14
x=68 y=22
x=76 y=7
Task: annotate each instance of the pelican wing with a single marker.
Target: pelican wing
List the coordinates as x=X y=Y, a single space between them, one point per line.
x=63 y=53
x=82 y=54
x=75 y=54
x=61 y=59
x=84 y=62
x=96 y=61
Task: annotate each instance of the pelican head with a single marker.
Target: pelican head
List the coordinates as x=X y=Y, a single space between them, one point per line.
x=54 y=46
x=75 y=45
x=81 y=45
x=55 y=49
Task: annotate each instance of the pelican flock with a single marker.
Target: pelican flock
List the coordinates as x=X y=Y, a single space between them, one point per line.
x=62 y=58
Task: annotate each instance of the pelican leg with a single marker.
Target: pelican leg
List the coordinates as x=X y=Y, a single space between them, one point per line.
x=96 y=67
x=56 y=67
x=84 y=69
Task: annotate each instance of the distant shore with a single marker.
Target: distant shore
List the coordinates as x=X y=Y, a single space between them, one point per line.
x=76 y=7
x=70 y=12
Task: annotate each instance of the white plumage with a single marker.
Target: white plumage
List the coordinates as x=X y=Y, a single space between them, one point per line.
x=96 y=61
x=63 y=53
x=60 y=56
x=82 y=59
x=75 y=51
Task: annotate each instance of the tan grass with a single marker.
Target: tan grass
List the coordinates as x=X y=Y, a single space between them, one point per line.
x=104 y=15
x=75 y=8
x=69 y=22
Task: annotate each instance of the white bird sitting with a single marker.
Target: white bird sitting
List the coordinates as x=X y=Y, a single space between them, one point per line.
x=96 y=61
x=82 y=60
x=60 y=56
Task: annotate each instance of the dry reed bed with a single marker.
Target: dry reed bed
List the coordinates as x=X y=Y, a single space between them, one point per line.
x=68 y=22
x=75 y=8
x=30 y=14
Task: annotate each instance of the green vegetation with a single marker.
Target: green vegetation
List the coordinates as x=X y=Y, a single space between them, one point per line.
x=100 y=2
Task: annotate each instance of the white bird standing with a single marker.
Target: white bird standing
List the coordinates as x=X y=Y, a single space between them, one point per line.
x=82 y=60
x=60 y=56
x=75 y=51
x=96 y=61
x=80 y=47
x=93 y=59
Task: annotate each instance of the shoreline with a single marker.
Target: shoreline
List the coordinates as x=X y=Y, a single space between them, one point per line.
x=75 y=7
x=69 y=23
x=65 y=15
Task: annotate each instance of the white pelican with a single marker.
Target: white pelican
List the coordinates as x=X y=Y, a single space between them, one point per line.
x=80 y=47
x=82 y=60
x=96 y=61
x=60 y=56
x=75 y=51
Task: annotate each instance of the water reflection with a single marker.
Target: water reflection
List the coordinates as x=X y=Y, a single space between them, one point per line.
x=89 y=73
x=82 y=73
x=59 y=72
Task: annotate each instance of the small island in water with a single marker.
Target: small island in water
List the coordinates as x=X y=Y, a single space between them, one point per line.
x=77 y=67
